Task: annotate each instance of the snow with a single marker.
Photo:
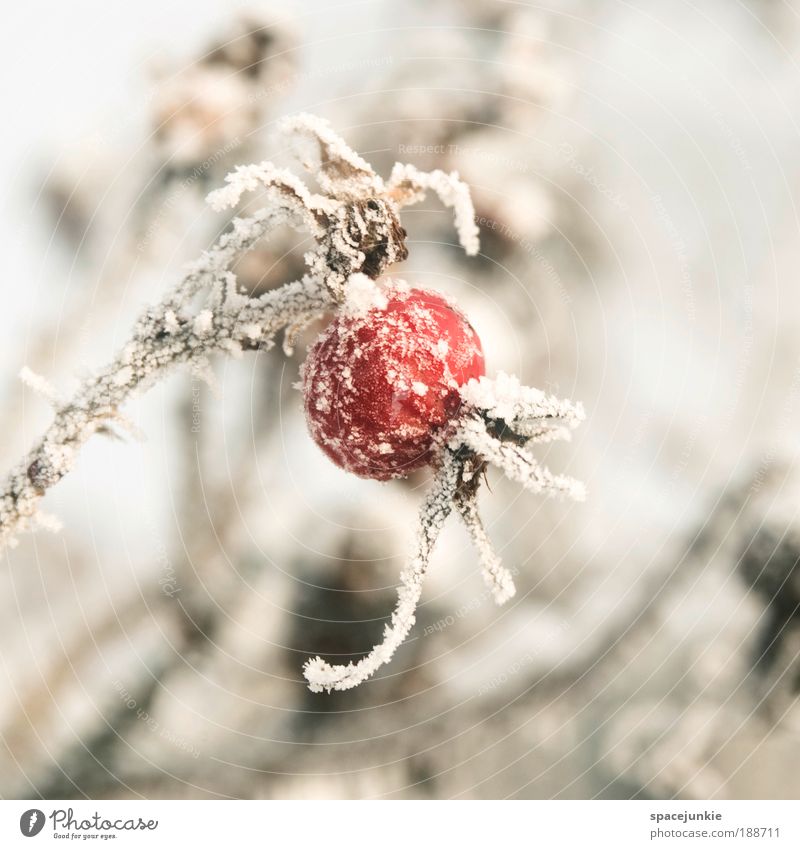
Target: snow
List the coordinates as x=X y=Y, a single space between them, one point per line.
x=203 y=322
x=124 y=376
x=362 y=295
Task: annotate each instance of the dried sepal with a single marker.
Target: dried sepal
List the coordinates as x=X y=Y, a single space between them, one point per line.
x=502 y=417
x=527 y=412
x=514 y=461
x=362 y=237
x=339 y=169
x=408 y=185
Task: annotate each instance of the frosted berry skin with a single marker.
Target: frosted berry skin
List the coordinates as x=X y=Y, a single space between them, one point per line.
x=379 y=385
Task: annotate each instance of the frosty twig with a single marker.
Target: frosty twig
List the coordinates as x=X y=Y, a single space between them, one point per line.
x=162 y=339
x=432 y=515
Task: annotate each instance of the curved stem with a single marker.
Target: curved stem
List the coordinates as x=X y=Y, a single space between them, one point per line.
x=432 y=515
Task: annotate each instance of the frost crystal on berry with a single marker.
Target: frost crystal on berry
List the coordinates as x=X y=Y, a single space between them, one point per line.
x=381 y=383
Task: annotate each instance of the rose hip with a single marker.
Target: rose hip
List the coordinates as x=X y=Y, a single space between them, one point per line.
x=381 y=383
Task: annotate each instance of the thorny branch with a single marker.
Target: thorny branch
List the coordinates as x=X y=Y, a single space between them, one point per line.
x=358 y=235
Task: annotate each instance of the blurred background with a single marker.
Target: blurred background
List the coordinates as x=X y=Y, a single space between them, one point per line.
x=635 y=172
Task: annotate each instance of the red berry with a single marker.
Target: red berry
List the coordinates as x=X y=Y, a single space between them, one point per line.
x=378 y=385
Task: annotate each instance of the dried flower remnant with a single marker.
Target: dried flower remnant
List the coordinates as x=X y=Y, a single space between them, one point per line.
x=355 y=223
